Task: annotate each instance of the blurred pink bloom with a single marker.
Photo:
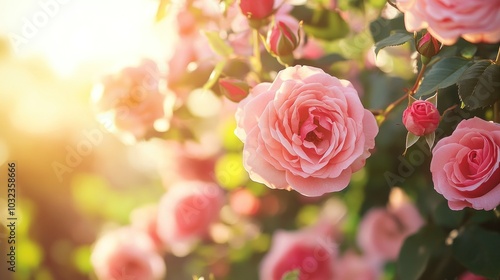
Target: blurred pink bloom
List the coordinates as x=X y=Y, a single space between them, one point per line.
x=186 y=211
x=307 y=131
x=312 y=49
x=421 y=117
x=382 y=231
x=133 y=100
x=127 y=254
x=185 y=162
x=352 y=266
x=234 y=89
x=474 y=20
x=244 y=202
x=309 y=250
x=145 y=219
x=471 y=276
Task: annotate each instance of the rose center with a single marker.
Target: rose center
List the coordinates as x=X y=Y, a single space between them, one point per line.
x=315 y=127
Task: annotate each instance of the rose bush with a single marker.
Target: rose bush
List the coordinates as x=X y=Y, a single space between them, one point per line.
x=465 y=165
x=307 y=131
x=445 y=20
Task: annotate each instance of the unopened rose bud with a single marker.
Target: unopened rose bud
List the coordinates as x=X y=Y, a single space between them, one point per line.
x=234 y=89
x=257 y=9
x=282 y=40
x=421 y=117
x=428 y=46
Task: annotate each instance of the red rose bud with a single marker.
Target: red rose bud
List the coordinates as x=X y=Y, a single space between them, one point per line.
x=234 y=89
x=257 y=9
x=421 y=117
x=428 y=46
x=282 y=40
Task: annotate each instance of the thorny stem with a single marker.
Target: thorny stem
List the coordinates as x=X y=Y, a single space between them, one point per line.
x=410 y=92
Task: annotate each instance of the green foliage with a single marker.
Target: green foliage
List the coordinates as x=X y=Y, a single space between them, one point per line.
x=444 y=73
x=417 y=250
x=395 y=39
x=324 y=24
x=291 y=275
x=479 y=85
x=478 y=250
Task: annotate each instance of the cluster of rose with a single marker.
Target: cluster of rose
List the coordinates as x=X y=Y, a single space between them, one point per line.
x=267 y=67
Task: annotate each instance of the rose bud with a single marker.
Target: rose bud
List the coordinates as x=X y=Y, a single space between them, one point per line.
x=421 y=117
x=282 y=40
x=257 y=9
x=234 y=89
x=428 y=46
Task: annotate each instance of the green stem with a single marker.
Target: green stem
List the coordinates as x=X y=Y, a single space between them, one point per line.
x=257 y=63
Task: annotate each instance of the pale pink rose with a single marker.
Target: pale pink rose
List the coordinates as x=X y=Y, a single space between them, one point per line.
x=471 y=276
x=311 y=251
x=133 y=99
x=382 y=231
x=127 y=254
x=465 y=165
x=474 y=20
x=352 y=266
x=421 y=117
x=187 y=210
x=307 y=131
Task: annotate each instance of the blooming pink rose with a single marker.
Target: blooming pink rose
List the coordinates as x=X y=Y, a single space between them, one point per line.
x=307 y=131
x=474 y=20
x=382 y=231
x=133 y=99
x=125 y=254
x=465 y=165
x=309 y=250
x=187 y=210
x=421 y=117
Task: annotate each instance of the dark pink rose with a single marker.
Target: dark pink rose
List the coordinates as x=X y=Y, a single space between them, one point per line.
x=311 y=251
x=307 y=131
x=257 y=9
x=474 y=20
x=465 y=165
x=421 y=117
x=187 y=210
x=125 y=254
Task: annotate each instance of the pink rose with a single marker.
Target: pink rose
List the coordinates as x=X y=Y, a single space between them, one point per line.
x=475 y=21
x=126 y=254
x=382 y=231
x=465 y=165
x=421 y=117
x=145 y=219
x=257 y=9
x=310 y=250
x=186 y=211
x=133 y=100
x=307 y=131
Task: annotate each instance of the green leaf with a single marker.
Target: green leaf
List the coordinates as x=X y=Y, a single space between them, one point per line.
x=430 y=138
x=395 y=39
x=291 y=275
x=411 y=139
x=326 y=25
x=444 y=73
x=218 y=44
x=479 y=85
x=214 y=76
x=382 y=28
x=417 y=250
x=446 y=217
x=478 y=250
